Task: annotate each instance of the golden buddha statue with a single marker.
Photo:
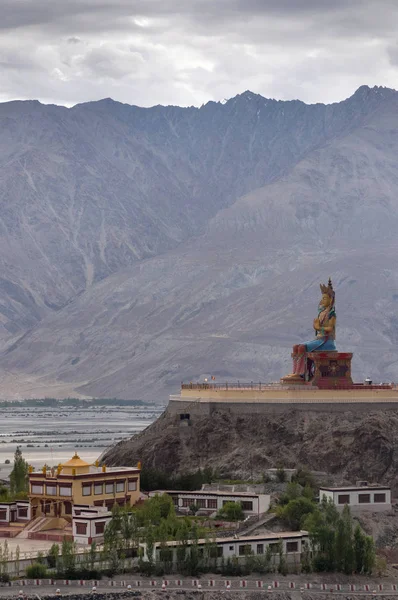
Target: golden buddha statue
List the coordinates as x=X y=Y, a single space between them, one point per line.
x=325 y=332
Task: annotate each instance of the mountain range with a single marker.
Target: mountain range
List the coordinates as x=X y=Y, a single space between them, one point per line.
x=144 y=246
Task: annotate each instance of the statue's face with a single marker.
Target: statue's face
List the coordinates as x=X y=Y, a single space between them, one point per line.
x=325 y=300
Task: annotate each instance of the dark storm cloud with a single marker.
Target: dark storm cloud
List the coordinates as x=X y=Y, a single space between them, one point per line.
x=189 y=51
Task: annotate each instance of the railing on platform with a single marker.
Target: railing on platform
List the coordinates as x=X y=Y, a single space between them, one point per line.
x=237 y=385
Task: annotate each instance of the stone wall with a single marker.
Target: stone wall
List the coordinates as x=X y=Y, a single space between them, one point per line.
x=205 y=407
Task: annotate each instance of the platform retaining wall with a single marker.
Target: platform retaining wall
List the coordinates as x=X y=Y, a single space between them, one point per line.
x=206 y=407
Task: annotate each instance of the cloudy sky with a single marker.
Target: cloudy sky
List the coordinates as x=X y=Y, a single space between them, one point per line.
x=187 y=52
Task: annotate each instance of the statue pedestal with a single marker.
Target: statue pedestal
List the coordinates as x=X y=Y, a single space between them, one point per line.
x=331 y=369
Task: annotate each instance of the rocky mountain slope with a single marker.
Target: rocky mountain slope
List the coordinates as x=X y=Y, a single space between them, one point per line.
x=350 y=446
x=140 y=247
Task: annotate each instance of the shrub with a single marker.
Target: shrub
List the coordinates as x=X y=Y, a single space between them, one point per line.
x=36 y=571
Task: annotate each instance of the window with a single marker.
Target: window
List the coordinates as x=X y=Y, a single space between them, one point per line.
x=364 y=498
x=99 y=528
x=98 y=503
x=109 y=488
x=47 y=507
x=3 y=514
x=186 y=502
x=212 y=504
x=343 y=499
x=231 y=548
x=245 y=550
x=86 y=489
x=216 y=552
x=68 y=508
x=98 y=489
x=200 y=503
x=65 y=490
x=120 y=486
x=175 y=500
x=260 y=548
x=22 y=513
x=247 y=505
x=132 y=485
x=379 y=497
x=81 y=528
x=51 y=490
x=37 y=489
x=291 y=546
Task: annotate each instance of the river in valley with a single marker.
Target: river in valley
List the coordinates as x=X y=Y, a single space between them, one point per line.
x=52 y=435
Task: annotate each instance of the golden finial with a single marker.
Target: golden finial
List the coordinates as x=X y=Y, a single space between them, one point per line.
x=139 y=465
x=103 y=468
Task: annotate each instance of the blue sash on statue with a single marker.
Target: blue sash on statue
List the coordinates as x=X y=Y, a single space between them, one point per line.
x=321 y=344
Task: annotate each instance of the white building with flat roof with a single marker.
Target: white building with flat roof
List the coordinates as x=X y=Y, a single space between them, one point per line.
x=210 y=501
x=16 y=511
x=88 y=523
x=371 y=497
x=292 y=542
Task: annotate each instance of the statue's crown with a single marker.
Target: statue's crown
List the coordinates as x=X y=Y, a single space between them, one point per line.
x=327 y=289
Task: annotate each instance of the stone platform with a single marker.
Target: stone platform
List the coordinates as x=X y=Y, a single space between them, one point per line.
x=331 y=369
x=325 y=370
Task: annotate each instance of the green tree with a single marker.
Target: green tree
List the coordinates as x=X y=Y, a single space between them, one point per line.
x=182 y=537
x=68 y=559
x=306 y=564
x=52 y=556
x=193 y=552
x=17 y=561
x=369 y=556
x=19 y=476
x=359 y=549
x=150 y=548
x=231 y=511
x=92 y=556
x=349 y=557
x=114 y=561
x=280 y=475
x=295 y=512
x=127 y=528
x=282 y=565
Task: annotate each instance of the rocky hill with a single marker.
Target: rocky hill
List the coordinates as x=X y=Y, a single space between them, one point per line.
x=140 y=247
x=349 y=446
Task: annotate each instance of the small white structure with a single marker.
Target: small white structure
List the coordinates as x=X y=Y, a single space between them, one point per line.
x=362 y=496
x=17 y=511
x=210 y=501
x=293 y=543
x=88 y=523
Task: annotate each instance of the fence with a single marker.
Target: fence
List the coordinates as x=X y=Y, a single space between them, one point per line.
x=230 y=583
